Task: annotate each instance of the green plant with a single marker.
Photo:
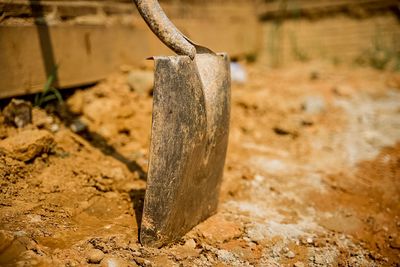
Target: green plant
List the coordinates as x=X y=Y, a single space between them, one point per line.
x=251 y=57
x=299 y=54
x=49 y=92
x=380 y=55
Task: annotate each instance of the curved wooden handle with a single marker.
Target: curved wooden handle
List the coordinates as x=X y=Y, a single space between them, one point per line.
x=164 y=29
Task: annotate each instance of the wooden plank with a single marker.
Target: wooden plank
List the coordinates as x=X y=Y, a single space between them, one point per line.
x=83 y=55
x=86 y=53
x=296 y=8
x=339 y=38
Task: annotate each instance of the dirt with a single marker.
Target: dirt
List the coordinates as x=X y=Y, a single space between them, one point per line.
x=312 y=176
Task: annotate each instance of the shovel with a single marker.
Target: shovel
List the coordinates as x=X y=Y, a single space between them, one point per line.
x=189 y=134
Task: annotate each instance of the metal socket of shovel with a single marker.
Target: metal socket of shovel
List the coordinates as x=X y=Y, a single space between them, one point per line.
x=189 y=134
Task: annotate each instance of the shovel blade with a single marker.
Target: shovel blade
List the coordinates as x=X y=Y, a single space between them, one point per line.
x=189 y=137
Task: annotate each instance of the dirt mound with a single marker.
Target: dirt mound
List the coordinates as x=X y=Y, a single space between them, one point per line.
x=311 y=179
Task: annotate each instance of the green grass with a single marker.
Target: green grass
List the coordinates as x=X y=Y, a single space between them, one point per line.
x=298 y=53
x=380 y=55
x=49 y=92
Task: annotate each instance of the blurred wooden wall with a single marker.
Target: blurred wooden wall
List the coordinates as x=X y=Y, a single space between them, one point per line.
x=365 y=32
x=87 y=40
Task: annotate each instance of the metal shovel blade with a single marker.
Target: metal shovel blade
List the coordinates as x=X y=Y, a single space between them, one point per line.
x=190 y=127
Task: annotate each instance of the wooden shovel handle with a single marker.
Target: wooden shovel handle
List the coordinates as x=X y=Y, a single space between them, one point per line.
x=164 y=29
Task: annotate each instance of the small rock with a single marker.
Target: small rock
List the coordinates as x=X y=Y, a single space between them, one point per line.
x=257 y=232
x=34 y=218
x=286 y=130
x=136 y=253
x=343 y=91
x=298 y=264
x=115 y=262
x=134 y=247
x=321 y=242
x=313 y=105
x=49 y=119
x=395 y=243
x=244 y=250
x=27 y=145
x=238 y=73
x=190 y=244
x=95 y=256
x=18 y=113
x=187 y=250
x=54 y=127
x=307 y=123
x=71 y=263
x=20 y=233
x=309 y=240
x=111 y=195
x=141 y=81
x=76 y=102
x=77 y=126
x=290 y=255
x=217 y=229
x=142 y=262
x=162 y=261
x=116 y=173
x=225 y=256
